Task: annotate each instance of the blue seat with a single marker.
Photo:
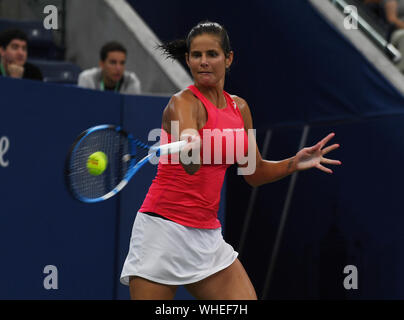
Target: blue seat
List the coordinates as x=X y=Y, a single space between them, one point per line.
x=57 y=71
x=35 y=30
x=40 y=40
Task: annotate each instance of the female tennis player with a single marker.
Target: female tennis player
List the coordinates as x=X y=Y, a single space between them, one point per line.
x=176 y=237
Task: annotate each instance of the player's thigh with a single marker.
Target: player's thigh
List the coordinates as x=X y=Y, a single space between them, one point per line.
x=143 y=289
x=231 y=283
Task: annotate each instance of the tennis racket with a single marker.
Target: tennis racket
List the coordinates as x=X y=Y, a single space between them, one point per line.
x=125 y=155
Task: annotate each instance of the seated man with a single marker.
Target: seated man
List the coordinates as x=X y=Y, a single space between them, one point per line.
x=394 y=11
x=111 y=74
x=14 y=54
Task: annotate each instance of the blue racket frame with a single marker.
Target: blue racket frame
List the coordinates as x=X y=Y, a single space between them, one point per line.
x=133 y=165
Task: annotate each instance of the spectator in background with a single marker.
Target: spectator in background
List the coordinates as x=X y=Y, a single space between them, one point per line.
x=394 y=10
x=14 y=54
x=111 y=74
x=394 y=15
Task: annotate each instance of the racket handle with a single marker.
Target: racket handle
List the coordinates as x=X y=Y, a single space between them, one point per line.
x=174 y=147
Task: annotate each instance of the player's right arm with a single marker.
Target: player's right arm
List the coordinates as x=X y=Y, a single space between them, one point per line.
x=180 y=119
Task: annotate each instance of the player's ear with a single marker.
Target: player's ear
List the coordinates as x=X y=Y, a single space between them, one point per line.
x=101 y=64
x=187 y=58
x=229 y=59
x=2 y=51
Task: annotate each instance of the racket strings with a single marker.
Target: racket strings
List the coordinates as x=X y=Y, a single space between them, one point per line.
x=140 y=144
x=114 y=145
x=139 y=151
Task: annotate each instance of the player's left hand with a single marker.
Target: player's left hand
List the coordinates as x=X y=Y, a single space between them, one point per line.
x=312 y=157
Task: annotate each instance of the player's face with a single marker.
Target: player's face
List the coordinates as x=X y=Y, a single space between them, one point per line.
x=207 y=61
x=114 y=66
x=15 y=52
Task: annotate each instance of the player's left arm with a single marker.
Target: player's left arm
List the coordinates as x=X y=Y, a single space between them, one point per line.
x=269 y=171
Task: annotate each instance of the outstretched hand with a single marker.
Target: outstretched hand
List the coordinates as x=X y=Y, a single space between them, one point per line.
x=312 y=157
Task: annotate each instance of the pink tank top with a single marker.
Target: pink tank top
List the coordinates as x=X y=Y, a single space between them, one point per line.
x=193 y=200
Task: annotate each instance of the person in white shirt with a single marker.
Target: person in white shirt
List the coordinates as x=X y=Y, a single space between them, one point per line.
x=111 y=74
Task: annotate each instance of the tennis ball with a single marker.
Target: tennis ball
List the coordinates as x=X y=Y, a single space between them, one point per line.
x=97 y=163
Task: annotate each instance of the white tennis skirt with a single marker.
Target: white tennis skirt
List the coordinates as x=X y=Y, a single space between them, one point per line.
x=169 y=253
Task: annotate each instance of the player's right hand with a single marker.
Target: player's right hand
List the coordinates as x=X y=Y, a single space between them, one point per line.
x=190 y=153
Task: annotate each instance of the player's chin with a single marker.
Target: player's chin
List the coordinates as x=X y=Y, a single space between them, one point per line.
x=207 y=82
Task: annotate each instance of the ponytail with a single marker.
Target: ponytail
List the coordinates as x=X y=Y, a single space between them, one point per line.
x=175 y=49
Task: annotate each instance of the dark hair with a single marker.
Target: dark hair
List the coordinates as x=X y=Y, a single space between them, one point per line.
x=109 y=47
x=178 y=48
x=11 y=34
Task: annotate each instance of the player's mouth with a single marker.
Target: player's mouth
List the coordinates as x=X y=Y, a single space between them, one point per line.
x=205 y=74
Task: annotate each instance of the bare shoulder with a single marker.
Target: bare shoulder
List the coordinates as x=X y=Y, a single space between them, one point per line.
x=244 y=110
x=183 y=106
x=183 y=99
x=241 y=104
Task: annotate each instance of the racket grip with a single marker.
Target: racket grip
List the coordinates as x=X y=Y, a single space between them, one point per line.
x=174 y=147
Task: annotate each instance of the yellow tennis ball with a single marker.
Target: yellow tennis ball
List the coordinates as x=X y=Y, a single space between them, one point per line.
x=97 y=163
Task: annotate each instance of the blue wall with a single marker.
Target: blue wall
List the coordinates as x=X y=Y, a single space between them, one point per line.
x=40 y=223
